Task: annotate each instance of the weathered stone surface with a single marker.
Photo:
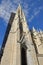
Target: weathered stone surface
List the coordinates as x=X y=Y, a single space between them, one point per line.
x=20 y=36
x=40 y=60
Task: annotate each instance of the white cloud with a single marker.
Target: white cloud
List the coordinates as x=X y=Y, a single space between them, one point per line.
x=25 y=9
x=8 y=6
x=31 y=18
x=41 y=7
x=5 y=9
x=36 y=11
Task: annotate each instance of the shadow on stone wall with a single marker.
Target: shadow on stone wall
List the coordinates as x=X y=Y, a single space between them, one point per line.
x=6 y=35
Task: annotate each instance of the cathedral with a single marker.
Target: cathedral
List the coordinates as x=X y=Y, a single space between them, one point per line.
x=21 y=46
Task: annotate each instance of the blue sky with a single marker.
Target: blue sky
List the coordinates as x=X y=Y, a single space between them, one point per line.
x=33 y=10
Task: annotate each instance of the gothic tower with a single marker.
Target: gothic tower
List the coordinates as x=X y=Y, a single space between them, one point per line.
x=18 y=47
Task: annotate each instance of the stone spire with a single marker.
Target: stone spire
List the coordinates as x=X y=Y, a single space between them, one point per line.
x=18 y=39
x=37 y=41
x=33 y=29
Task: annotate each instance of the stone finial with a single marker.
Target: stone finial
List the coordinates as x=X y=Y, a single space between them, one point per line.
x=19 y=9
x=33 y=29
